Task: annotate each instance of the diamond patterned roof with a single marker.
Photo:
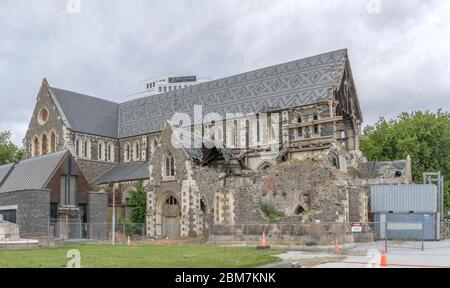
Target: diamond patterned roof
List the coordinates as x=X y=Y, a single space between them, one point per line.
x=297 y=83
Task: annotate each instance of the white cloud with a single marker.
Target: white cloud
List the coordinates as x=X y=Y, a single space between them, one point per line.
x=399 y=56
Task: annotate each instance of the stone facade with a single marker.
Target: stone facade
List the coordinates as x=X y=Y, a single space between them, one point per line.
x=293 y=145
x=162 y=187
x=37 y=128
x=33 y=211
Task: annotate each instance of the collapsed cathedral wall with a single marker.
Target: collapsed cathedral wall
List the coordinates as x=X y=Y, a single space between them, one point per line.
x=317 y=200
x=358 y=202
x=310 y=191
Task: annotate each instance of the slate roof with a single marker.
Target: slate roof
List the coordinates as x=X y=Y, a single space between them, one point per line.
x=87 y=114
x=297 y=83
x=125 y=173
x=32 y=174
x=4 y=171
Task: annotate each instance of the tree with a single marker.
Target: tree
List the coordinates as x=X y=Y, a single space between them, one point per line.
x=9 y=153
x=425 y=136
x=138 y=202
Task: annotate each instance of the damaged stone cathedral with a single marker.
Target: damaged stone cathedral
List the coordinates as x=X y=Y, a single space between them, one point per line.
x=292 y=144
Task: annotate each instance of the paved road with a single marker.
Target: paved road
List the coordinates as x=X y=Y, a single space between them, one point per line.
x=400 y=255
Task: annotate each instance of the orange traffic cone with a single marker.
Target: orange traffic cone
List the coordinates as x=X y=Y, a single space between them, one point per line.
x=337 y=249
x=263 y=244
x=383 y=262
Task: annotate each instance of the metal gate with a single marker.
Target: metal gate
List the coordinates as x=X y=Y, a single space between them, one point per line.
x=414 y=226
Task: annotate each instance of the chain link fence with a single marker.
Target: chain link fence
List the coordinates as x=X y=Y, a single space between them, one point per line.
x=76 y=231
x=345 y=237
x=292 y=236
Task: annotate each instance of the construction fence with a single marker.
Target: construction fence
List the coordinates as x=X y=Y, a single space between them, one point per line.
x=84 y=232
x=405 y=233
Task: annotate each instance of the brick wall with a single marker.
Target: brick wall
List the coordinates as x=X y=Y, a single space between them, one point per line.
x=33 y=211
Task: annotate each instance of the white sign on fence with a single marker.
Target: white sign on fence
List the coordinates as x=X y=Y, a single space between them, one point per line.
x=356 y=228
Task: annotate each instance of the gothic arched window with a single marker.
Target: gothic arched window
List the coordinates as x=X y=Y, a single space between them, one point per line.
x=44 y=145
x=169 y=165
x=110 y=153
x=137 y=151
x=53 y=142
x=247 y=134
x=36 y=147
x=87 y=149
x=79 y=147
x=101 y=151
x=126 y=152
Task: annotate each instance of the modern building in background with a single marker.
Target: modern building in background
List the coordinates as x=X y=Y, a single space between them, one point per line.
x=166 y=83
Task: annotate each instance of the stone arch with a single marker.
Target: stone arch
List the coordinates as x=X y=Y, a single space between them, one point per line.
x=204 y=207
x=168 y=215
x=299 y=210
x=264 y=166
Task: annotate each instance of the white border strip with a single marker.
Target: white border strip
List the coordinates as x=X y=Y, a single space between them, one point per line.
x=11 y=207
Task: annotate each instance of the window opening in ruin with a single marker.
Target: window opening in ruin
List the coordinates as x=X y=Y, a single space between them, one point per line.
x=299 y=211
x=203 y=205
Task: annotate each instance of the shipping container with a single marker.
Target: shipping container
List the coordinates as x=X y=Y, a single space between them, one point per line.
x=403 y=198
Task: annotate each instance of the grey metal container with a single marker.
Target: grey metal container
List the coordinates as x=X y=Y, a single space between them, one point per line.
x=403 y=198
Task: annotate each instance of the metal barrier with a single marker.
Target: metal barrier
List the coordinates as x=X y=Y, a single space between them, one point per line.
x=73 y=231
x=294 y=234
x=396 y=235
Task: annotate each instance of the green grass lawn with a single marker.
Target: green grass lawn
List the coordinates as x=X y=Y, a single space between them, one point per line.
x=150 y=256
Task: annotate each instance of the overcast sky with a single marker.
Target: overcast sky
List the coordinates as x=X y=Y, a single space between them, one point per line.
x=399 y=49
